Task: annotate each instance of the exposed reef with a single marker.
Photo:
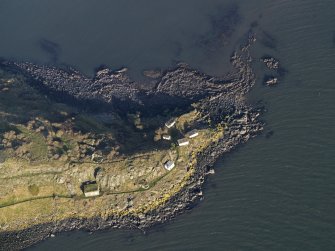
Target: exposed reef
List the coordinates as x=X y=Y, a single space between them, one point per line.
x=276 y=71
x=271 y=63
x=221 y=112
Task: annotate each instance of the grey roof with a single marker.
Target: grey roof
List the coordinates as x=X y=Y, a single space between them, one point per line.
x=184 y=140
x=170 y=122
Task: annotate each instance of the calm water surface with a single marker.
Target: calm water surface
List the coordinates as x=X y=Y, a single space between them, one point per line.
x=274 y=193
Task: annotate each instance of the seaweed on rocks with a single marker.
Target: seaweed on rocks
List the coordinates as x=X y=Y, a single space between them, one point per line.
x=51 y=48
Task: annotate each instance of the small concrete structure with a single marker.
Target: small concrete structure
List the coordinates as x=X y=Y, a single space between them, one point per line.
x=169 y=165
x=183 y=142
x=91 y=189
x=170 y=123
x=166 y=137
x=192 y=134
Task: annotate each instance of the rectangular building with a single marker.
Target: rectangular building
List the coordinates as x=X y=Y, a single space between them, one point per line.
x=170 y=123
x=169 y=165
x=183 y=142
x=166 y=137
x=192 y=134
x=91 y=189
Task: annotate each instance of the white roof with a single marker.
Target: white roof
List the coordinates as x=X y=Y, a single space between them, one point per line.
x=170 y=123
x=192 y=134
x=183 y=142
x=169 y=165
x=168 y=137
x=92 y=193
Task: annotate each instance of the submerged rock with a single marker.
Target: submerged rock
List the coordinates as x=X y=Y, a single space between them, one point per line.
x=271 y=63
x=152 y=73
x=272 y=81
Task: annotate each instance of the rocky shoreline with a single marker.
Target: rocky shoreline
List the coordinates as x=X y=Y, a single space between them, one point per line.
x=220 y=100
x=175 y=206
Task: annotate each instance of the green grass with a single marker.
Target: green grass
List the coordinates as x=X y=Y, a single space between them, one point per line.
x=142 y=189
x=26 y=175
x=68 y=143
x=90 y=187
x=33 y=189
x=86 y=124
x=5 y=127
x=39 y=148
x=13 y=201
x=137 y=149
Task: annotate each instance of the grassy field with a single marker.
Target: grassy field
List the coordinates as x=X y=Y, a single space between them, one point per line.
x=48 y=150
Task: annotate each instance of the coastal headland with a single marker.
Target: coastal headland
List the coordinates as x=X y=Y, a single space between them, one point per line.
x=109 y=152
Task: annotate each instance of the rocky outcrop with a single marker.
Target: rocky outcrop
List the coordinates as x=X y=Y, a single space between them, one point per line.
x=276 y=71
x=177 y=87
x=271 y=81
x=218 y=100
x=271 y=63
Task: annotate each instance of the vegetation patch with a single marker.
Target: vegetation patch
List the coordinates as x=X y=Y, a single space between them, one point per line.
x=34 y=189
x=58 y=154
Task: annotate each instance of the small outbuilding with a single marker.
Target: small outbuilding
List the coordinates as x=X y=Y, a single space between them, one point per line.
x=91 y=189
x=183 y=142
x=166 y=137
x=169 y=165
x=192 y=134
x=170 y=123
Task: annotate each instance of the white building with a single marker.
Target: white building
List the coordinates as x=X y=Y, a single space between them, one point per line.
x=92 y=194
x=91 y=190
x=183 y=142
x=167 y=137
x=170 y=123
x=169 y=165
x=192 y=134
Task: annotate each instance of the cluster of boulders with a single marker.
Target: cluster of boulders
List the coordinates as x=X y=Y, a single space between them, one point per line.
x=271 y=63
x=76 y=146
x=12 y=140
x=272 y=81
x=177 y=87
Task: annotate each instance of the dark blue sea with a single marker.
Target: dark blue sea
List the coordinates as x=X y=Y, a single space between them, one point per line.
x=276 y=192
